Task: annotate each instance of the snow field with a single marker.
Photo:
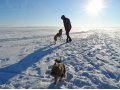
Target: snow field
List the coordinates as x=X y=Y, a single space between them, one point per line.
x=92 y=60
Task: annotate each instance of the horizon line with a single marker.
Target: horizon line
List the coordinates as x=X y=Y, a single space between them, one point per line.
x=61 y=26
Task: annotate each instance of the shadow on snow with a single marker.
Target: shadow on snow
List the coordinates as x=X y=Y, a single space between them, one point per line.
x=17 y=68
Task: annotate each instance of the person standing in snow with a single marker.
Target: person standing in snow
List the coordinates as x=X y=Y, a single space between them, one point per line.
x=67 y=26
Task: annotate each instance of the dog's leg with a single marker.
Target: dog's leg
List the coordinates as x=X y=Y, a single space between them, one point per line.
x=55 y=39
x=64 y=71
x=56 y=80
x=61 y=78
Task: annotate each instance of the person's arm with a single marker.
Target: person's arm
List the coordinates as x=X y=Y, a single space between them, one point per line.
x=70 y=24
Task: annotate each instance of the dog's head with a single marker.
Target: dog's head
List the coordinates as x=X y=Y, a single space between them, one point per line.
x=60 y=31
x=57 y=68
x=57 y=61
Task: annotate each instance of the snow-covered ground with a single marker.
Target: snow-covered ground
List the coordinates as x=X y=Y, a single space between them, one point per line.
x=92 y=59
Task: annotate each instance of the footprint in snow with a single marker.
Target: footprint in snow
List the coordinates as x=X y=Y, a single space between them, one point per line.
x=91 y=54
x=116 y=60
x=48 y=72
x=38 y=71
x=111 y=64
x=118 y=66
x=48 y=59
x=69 y=76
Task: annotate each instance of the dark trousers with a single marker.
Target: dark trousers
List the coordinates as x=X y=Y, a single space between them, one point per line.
x=68 y=36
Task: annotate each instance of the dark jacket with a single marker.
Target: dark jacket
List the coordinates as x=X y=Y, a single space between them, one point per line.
x=67 y=24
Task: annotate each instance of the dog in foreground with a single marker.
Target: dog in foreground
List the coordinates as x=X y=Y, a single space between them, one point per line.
x=59 y=34
x=58 y=71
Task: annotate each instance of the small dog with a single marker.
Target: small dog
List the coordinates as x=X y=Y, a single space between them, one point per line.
x=58 y=71
x=59 y=34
